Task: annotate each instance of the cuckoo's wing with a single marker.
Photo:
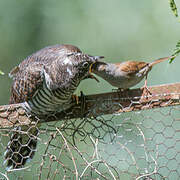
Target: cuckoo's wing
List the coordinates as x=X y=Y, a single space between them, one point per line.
x=25 y=84
x=28 y=76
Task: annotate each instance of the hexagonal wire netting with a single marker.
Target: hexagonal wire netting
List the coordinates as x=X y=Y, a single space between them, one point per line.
x=128 y=145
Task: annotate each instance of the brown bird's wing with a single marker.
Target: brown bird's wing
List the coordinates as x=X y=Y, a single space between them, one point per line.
x=131 y=67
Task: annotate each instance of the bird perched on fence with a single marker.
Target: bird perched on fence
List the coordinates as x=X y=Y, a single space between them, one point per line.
x=126 y=74
x=44 y=82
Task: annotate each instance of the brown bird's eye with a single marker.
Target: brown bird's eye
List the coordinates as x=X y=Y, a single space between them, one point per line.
x=85 y=64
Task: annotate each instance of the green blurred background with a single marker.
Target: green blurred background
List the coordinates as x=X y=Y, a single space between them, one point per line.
x=117 y=29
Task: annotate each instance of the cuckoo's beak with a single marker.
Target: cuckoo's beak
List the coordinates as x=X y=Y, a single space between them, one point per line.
x=96 y=58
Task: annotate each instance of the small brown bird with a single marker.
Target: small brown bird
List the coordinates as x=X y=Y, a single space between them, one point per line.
x=125 y=74
x=44 y=82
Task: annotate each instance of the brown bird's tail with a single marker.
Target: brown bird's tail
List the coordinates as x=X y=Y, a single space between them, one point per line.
x=160 y=60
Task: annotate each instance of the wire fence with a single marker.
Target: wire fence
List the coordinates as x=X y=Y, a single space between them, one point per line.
x=128 y=144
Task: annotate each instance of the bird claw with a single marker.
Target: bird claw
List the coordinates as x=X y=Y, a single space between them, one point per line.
x=145 y=91
x=75 y=98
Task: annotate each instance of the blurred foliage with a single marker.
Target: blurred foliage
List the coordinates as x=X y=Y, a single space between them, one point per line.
x=175 y=11
x=176 y=51
x=173 y=7
x=1 y=73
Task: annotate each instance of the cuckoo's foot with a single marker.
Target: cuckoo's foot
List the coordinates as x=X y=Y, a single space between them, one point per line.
x=75 y=98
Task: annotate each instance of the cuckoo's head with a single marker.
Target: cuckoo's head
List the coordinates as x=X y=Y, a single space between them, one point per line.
x=79 y=62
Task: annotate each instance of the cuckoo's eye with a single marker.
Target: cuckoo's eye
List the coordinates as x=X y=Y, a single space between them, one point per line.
x=85 y=64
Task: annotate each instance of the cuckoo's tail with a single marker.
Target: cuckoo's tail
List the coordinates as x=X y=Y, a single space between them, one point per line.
x=21 y=147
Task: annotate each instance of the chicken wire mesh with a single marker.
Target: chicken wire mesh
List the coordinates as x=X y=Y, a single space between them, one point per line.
x=128 y=145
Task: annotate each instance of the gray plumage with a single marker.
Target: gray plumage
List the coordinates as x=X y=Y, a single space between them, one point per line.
x=45 y=83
